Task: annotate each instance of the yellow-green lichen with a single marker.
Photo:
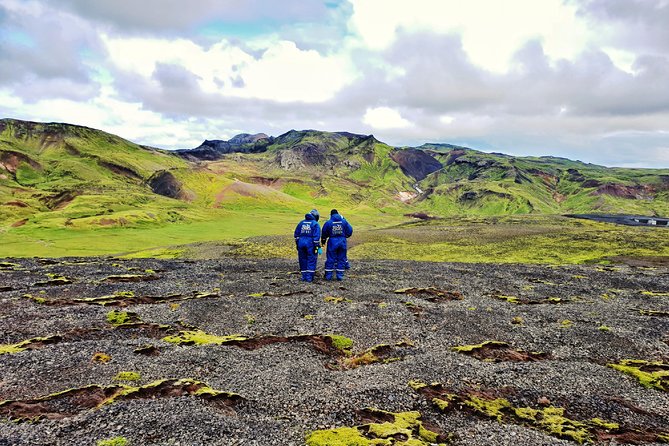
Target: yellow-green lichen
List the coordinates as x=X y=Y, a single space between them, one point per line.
x=491 y=408
x=101 y=357
x=549 y=419
x=128 y=376
x=116 y=441
x=199 y=337
x=660 y=313
x=604 y=328
x=608 y=425
x=566 y=324
x=158 y=389
x=25 y=345
x=510 y=299
x=444 y=401
x=655 y=293
x=471 y=348
x=416 y=384
x=404 y=424
x=663 y=437
x=650 y=374
x=554 y=422
x=8 y=266
x=341 y=343
x=118 y=318
x=124 y=294
x=343 y=436
x=36 y=299
x=336 y=299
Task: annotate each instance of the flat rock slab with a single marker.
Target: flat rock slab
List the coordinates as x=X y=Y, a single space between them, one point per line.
x=325 y=352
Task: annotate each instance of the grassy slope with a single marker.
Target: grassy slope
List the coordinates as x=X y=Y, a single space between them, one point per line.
x=519 y=185
x=248 y=202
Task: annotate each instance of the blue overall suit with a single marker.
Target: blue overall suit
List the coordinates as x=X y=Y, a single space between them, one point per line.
x=336 y=230
x=307 y=241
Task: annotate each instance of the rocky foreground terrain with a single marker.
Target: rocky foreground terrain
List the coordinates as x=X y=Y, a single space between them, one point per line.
x=101 y=351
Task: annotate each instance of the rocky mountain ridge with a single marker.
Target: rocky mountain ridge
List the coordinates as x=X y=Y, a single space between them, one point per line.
x=76 y=175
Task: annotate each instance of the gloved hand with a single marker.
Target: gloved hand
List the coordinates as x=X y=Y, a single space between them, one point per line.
x=320 y=250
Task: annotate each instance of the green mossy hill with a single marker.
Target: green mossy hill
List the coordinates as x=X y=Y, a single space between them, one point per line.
x=389 y=429
x=491 y=183
x=72 y=190
x=68 y=176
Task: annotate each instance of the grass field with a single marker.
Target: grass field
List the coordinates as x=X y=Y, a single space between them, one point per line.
x=511 y=239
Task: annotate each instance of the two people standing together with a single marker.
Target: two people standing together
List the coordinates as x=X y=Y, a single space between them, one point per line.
x=309 y=238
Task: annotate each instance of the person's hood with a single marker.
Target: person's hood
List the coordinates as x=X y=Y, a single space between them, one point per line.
x=309 y=217
x=336 y=217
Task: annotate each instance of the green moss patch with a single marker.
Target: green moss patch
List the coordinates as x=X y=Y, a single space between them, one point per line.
x=123 y=298
x=54 y=280
x=498 y=351
x=650 y=374
x=70 y=402
x=118 y=318
x=128 y=376
x=553 y=420
x=512 y=299
x=382 y=353
x=341 y=343
x=115 y=441
x=381 y=428
x=655 y=293
x=336 y=299
x=655 y=313
x=28 y=344
x=199 y=337
x=8 y=266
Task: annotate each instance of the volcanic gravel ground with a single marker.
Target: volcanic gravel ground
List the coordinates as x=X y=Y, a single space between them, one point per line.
x=580 y=317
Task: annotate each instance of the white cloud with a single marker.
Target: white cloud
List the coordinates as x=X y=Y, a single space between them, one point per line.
x=282 y=73
x=285 y=73
x=385 y=118
x=564 y=77
x=491 y=30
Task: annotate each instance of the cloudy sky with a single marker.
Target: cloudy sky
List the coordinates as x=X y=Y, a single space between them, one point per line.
x=583 y=79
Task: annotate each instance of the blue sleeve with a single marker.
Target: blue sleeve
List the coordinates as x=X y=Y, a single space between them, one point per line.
x=317 y=234
x=327 y=227
x=297 y=230
x=348 y=229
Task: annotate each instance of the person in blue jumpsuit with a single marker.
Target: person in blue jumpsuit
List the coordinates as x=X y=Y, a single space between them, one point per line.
x=307 y=241
x=336 y=230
